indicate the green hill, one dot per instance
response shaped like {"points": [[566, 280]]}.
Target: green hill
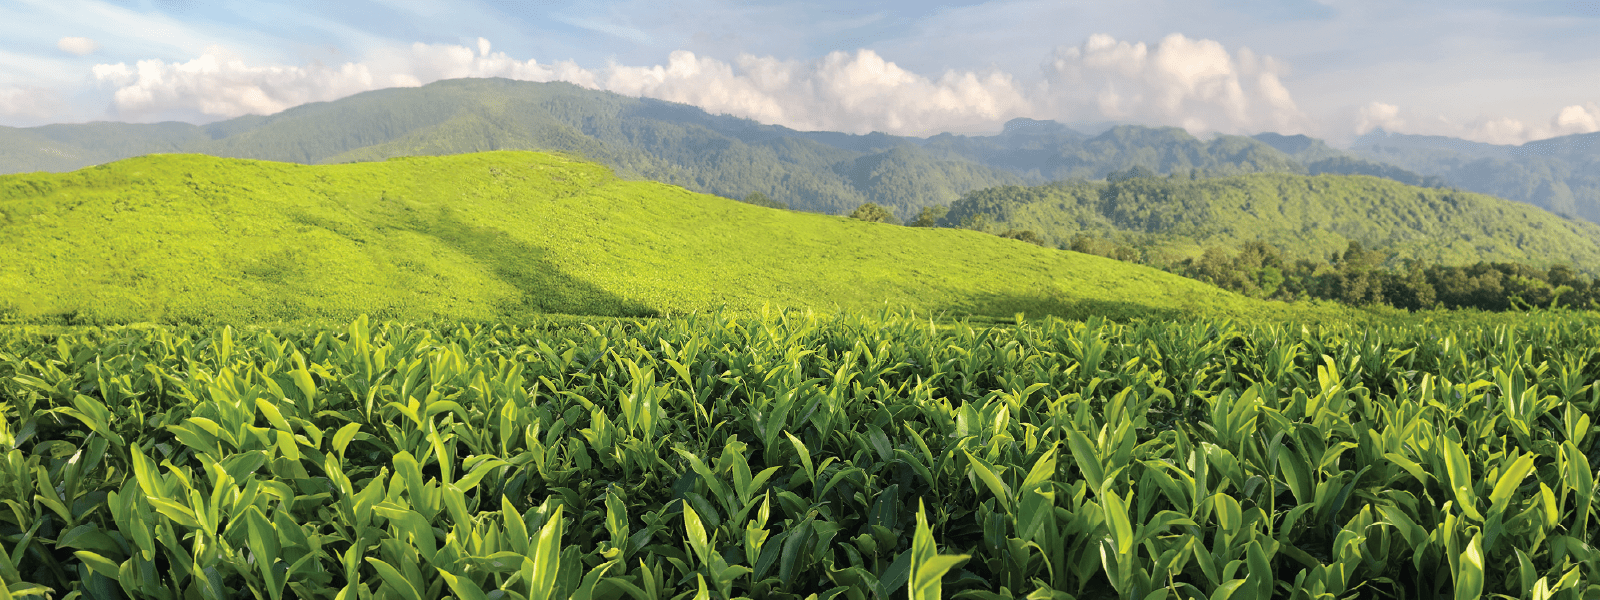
{"points": [[503, 234], [1305, 216]]}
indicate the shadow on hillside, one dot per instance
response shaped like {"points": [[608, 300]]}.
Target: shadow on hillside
{"points": [[1006, 306], [544, 286]]}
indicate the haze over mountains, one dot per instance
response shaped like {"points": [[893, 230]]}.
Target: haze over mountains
{"points": [[1560, 174], [812, 171]]}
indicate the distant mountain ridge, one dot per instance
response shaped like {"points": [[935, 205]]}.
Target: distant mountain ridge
{"points": [[733, 157], [1560, 174]]}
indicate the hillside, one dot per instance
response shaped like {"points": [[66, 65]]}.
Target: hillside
{"points": [[1305, 216], [502, 234], [1560, 174]]}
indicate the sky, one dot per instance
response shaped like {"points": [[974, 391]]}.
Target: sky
{"points": [[1497, 72]]}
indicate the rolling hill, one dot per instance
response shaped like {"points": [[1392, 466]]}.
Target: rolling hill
{"points": [[1305, 216], [501, 234]]}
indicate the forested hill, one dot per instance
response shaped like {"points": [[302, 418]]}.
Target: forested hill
{"points": [[673, 143], [1561, 174], [1171, 218], [1046, 151]]}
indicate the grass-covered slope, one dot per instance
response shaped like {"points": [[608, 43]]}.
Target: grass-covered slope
{"points": [[1306, 216], [189, 237]]}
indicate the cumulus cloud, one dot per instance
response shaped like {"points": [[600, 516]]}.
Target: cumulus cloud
{"points": [[27, 103], [1200, 85], [1378, 115], [219, 84], [77, 45], [1193, 83], [1577, 118], [858, 92]]}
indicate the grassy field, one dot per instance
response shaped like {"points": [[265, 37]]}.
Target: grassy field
{"points": [[190, 238]]}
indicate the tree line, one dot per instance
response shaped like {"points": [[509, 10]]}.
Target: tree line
{"points": [[1359, 277]]}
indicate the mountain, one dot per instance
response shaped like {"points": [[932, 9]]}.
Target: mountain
{"points": [[1319, 158], [1305, 216], [1561, 174], [194, 238], [1045, 151]]}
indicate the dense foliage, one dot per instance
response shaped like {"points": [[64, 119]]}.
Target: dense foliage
{"points": [[1047, 151], [1164, 220], [188, 239], [789, 456], [1358, 277]]}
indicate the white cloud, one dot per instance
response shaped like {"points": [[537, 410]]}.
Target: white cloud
{"points": [[218, 84], [1378, 115], [1577, 119], [1197, 84], [1572, 119], [858, 92], [77, 45], [1193, 83], [27, 103]]}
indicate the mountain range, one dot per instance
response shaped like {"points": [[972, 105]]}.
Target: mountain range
{"points": [[734, 157]]}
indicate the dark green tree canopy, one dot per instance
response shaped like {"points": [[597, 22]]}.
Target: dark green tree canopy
{"points": [[873, 213]]}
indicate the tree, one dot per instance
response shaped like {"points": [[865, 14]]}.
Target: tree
{"points": [[1133, 172], [873, 213], [931, 216]]}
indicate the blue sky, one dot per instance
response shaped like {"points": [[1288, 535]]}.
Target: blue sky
{"points": [[1502, 72]]}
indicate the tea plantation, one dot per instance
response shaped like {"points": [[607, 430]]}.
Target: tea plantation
{"points": [[797, 456]]}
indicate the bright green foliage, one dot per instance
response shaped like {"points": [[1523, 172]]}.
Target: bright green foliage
{"points": [[1170, 218], [185, 238], [793, 456]]}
